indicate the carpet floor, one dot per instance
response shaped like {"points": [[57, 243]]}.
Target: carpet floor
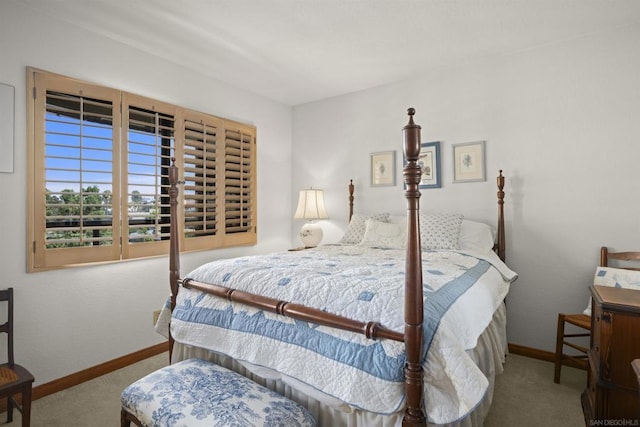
{"points": [[525, 395]]}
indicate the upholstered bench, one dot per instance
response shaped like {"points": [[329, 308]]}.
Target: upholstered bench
{"points": [[198, 393]]}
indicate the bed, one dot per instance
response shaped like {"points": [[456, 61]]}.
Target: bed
{"points": [[401, 322]]}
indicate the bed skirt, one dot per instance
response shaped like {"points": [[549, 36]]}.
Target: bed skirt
{"points": [[489, 355]]}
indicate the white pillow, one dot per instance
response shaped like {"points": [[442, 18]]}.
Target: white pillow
{"points": [[440, 231], [398, 219], [475, 235], [384, 235], [355, 230], [615, 278]]}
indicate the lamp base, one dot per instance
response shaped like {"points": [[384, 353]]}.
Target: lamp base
{"points": [[311, 234]]}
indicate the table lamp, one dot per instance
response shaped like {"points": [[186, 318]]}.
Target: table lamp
{"points": [[311, 207]]}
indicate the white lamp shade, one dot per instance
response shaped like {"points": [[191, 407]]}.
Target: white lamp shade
{"points": [[311, 205]]}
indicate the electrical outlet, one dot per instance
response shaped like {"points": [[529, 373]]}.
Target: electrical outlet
{"points": [[156, 314]]}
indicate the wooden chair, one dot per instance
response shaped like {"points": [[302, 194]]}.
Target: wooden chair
{"points": [[583, 321], [14, 379], [579, 360]]}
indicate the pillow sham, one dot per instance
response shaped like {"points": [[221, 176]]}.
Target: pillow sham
{"points": [[384, 235], [440, 231], [355, 230], [475, 235], [615, 278], [398, 219]]}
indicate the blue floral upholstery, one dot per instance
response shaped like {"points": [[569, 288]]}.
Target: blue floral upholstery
{"points": [[199, 393]]}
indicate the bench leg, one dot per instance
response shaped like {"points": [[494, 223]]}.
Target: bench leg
{"points": [[123, 419], [126, 418]]}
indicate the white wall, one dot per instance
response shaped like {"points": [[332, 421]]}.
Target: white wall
{"points": [[72, 319], [563, 121]]}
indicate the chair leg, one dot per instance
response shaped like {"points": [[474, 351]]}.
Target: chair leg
{"points": [[559, 347], [9, 409], [26, 406]]}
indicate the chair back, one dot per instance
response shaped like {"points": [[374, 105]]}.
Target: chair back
{"points": [[7, 327], [626, 260]]}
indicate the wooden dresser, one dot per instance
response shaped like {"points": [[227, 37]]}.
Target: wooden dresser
{"points": [[612, 386]]}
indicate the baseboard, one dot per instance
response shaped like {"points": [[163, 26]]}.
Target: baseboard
{"points": [[98, 370], [535, 353]]}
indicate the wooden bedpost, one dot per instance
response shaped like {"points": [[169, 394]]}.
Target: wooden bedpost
{"points": [[350, 199], [174, 244], [501, 240], [413, 305]]}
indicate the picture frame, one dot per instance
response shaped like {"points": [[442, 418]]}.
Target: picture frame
{"points": [[429, 161], [469, 162], [383, 169]]}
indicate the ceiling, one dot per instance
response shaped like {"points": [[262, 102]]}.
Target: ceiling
{"points": [[298, 51]]}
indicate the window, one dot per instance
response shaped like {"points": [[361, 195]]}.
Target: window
{"points": [[98, 172]]}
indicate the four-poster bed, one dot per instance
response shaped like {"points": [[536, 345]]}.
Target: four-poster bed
{"points": [[238, 307]]}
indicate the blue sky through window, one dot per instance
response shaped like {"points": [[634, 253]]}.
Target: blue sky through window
{"points": [[79, 153]]}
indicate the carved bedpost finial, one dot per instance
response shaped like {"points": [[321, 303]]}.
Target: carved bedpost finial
{"points": [[500, 183], [173, 172], [501, 244], [411, 143], [411, 146], [411, 112], [351, 189]]}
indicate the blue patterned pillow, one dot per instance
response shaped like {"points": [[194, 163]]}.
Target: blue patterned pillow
{"points": [[357, 227], [440, 231]]}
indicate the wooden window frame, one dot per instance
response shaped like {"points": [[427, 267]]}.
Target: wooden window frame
{"points": [[216, 158]]}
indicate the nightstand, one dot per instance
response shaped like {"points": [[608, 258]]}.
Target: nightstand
{"points": [[301, 248]]}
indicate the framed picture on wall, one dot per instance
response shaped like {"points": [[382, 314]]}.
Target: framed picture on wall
{"points": [[469, 162], [429, 162], [383, 168]]}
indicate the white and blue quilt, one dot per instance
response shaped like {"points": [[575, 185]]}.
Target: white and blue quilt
{"points": [[461, 293]]}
